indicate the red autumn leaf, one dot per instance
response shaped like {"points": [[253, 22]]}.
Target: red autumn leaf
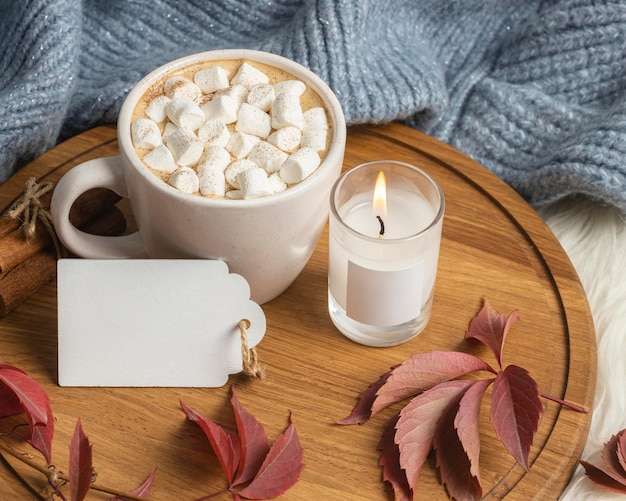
{"points": [[31, 396], [253, 442], [621, 450], [491, 327], [611, 457], [20, 393], [221, 441], [41, 437], [453, 462], [424, 371], [281, 468], [245, 455], [515, 411], [444, 412], [390, 462], [602, 478], [362, 411], [142, 491], [9, 403], [466, 422], [418, 420], [613, 477], [80, 466]]}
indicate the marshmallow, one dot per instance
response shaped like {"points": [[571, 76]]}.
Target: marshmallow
{"points": [[234, 169], [267, 156], [287, 112], [276, 183], [161, 159], [185, 146], [184, 179], [315, 130], [145, 134], [299, 165], [181, 87], [238, 92], [261, 96], [248, 76], [211, 79], [185, 113], [156, 110], [234, 195], [214, 158], [275, 163], [223, 107], [253, 183], [212, 182], [286, 139], [214, 133], [252, 120], [290, 86], [240, 144], [168, 129]]}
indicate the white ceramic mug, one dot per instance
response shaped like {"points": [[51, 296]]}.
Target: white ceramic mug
{"points": [[267, 240]]}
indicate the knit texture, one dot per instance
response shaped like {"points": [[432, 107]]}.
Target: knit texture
{"points": [[533, 90]]}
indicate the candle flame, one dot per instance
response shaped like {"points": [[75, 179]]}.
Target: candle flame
{"points": [[380, 196]]}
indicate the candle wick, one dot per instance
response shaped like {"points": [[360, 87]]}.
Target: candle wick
{"points": [[382, 225]]}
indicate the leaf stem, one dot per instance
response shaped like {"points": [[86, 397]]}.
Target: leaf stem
{"points": [[575, 407], [53, 475]]}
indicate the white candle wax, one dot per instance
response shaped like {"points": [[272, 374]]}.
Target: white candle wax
{"points": [[407, 214]]}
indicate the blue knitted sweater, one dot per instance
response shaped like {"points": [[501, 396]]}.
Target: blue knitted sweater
{"points": [[533, 90]]}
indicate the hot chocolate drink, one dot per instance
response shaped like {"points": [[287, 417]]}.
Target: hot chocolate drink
{"points": [[235, 129]]}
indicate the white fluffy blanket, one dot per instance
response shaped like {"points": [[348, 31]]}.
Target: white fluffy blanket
{"points": [[594, 237]]}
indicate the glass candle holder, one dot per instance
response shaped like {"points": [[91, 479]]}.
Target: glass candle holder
{"points": [[384, 237]]}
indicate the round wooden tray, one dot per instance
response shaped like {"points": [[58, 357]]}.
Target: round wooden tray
{"points": [[494, 245]]}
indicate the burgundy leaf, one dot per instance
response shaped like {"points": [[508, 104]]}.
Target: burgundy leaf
{"points": [[9, 403], [281, 468], [454, 465], [424, 371], [602, 478], [418, 420], [80, 466], [491, 327], [33, 399], [41, 436], [142, 491], [621, 451], [515, 411], [220, 439], [253, 441], [20, 393], [610, 456], [466, 423], [390, 462], [362, 411]]}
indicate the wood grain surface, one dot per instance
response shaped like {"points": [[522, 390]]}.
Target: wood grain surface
{"points": [[494, 245]]}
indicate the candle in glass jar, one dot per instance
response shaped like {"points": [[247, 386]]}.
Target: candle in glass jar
{"points": [[383, 252]]}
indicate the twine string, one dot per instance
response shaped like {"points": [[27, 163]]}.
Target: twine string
{"points": [[251, 365], [29, 209]]}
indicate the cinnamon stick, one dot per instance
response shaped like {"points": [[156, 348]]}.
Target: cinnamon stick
{"points": [[26, 277], [16, 248]]}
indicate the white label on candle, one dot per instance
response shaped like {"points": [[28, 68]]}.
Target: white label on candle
{"points": [[384, 298]]}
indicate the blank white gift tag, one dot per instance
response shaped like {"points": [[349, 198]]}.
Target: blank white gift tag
{"points": [[152, 322]]}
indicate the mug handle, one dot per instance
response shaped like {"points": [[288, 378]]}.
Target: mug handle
{"points": [[103, 172]]}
